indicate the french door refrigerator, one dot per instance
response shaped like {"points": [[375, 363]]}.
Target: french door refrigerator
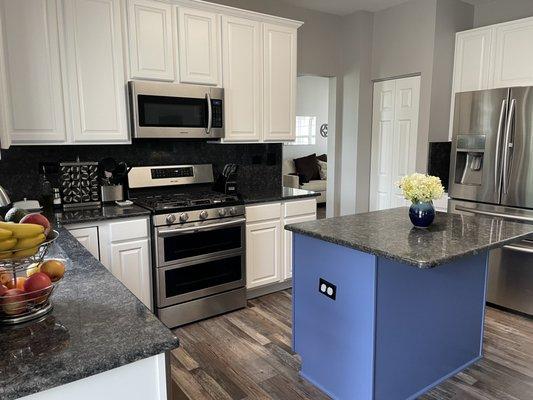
{"points": [[491, 173]]}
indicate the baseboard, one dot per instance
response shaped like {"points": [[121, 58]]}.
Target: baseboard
{"points": [[272, 288]]}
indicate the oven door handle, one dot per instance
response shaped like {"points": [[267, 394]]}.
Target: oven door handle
{"points": [[178, 231]]}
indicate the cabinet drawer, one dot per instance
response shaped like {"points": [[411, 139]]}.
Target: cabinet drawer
{"points": [[127, 230], [263, 212], [300, 207]]}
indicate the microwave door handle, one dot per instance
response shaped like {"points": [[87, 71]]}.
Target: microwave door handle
{"points": [[209, 114], [499, 134], [507, 146]]}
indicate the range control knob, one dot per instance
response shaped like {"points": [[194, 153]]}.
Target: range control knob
{"points": [[171, 218], [184, 217], [203, 215], [232, 210], [222, 212]]}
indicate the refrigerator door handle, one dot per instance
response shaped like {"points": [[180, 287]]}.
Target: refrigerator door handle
{"points": [[494, 214], [501, 128], [507, 146]]}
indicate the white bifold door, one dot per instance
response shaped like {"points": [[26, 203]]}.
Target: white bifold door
{"points": [[394, 137]]}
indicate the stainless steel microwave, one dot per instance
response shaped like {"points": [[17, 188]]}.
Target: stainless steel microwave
{"points": [[170, 110]]}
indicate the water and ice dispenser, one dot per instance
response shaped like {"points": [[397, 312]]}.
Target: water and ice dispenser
{"points": [[469, 159]]}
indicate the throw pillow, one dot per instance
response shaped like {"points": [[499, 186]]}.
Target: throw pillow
{"points": [[323, 170], [323, 157], [307, 167]]}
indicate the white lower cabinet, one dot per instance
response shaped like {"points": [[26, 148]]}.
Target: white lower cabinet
{"points": [[88, 237], [123, 247], [268, 244]]}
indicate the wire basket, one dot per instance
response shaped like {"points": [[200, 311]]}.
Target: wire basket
{"points": [[24, 306]]}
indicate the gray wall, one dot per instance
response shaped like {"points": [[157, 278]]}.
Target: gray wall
{"points": [[452, 16], [356, 52], [403, 44], [502, 11]]}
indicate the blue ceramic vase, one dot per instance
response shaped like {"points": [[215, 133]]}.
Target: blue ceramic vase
{"points": [[422, 214]]}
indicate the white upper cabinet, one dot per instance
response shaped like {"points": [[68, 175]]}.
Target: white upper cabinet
{"points": [[243, 79], [31, 81], [279, 110], [199, 46], [150, 40], [472, 60], [96, 70], [513, 58]]}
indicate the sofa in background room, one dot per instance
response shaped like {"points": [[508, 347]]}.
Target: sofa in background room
{"points": [[308, 173]]}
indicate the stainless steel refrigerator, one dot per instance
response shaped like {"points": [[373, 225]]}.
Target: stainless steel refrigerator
{"points": [[491, 173]]}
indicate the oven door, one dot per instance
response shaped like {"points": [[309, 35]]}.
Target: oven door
{"points": [[180, 244], [167, 110], [199, 278]]}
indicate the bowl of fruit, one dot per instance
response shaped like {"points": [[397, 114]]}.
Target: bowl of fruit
{"points": [[27, 279]]}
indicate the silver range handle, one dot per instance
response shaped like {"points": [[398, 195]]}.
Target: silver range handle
{"points": [[508, 146], [494, 214], [519, 248], [500, 133], [209, 114], [179, 231]]}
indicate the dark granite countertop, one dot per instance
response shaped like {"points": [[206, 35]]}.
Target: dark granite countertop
{"points": [[285, 193], [96, 325], [68, 217], [390, 234]]}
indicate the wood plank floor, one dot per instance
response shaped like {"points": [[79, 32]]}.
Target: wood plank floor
{"points": [[247, 355]]}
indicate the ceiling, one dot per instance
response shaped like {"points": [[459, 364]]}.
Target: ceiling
{"points": [[344, 7]]}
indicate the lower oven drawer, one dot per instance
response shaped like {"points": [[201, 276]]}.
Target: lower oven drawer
{"points": [[200, 277]]}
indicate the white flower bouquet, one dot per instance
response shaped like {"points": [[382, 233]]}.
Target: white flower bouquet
{"points": [[421, 188]]}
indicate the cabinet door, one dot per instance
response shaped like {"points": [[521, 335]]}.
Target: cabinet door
{"points": [[150, 38], [287, 243], [96, 70], [88, 237], [243, 79], [263, 253], [198, 34], [472, 59], [31, 72], [279, 112], [130, 263], [513, 59]]}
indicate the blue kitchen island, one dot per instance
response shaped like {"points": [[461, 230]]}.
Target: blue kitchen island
{"points": [[383, 310]]}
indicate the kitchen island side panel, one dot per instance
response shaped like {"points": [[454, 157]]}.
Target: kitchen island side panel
{"points": [[429, 324], [335, 338]]}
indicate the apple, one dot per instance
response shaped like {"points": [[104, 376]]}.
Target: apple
{"points": [[36, 287], [5, 276], [3, 290], [18, 284], [37, 219], [14, 302], [55, 269]]}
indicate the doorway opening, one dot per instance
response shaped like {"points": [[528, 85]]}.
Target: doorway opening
{"points": [[306, 160]]}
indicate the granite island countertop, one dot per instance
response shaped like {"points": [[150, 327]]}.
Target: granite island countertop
{"points": [[96, 325], [285, 193], [390, 234]]}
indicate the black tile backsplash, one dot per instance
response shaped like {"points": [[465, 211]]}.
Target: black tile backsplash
{"points": [[439, 161], [260, 164]]}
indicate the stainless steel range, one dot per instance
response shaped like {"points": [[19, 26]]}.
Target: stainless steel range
{"points": [[198, 242]]}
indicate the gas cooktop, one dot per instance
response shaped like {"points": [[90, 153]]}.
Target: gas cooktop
{"points": [[184, 201]]}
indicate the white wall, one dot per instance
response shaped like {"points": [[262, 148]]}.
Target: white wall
{"points": [[312, 99], [502, 11]]}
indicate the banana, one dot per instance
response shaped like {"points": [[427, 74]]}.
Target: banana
{"points": [[25, 253], [27, 243], [5, 234], [22, 231], [6, 255], [7, 244]]}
